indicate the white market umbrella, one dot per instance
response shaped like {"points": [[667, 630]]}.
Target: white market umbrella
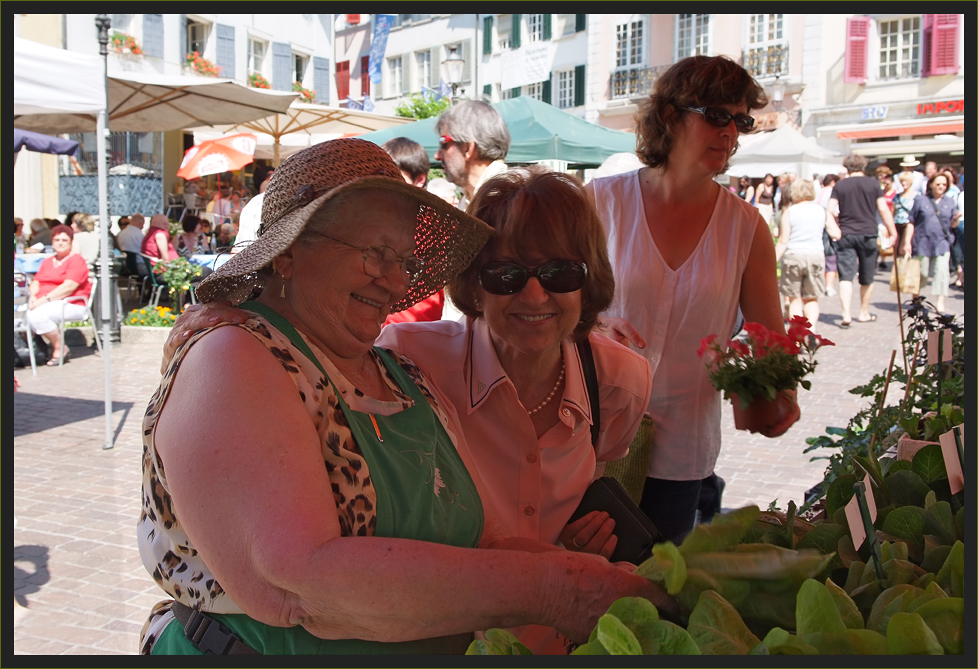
{"points": [[783, 150], [304, 122]]}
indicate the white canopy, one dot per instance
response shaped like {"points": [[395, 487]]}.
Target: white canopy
{"points": [[783, 150], [138, 102]]}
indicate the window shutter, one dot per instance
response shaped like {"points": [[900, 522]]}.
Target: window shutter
{"points": [[365, 75], [517, 20], [487, 90], [487, 35], [467, 57], [942, 33], [548, 28], [281, 66], [153, 35], [580, 22], [320, 78], [545, 93], [343, 80], [435, 76], [516, 91], [225, 50], [183, 37], [579, 85], [857, 50]]}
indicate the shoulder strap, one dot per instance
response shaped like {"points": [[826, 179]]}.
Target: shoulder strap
{"points": [[591, 383]]}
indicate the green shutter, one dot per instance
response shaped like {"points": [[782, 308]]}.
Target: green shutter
{"points": [[487, 35], [580, 23], [487, 90], [546, 90], [547, 26], [579, 85], [516, 91], [517, 19]]}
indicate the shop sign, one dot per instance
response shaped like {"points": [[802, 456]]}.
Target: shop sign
{"points": [[951, 107], [875, 113]]}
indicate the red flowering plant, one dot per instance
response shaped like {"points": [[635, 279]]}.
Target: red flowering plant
{"points": [[201, 65], [122, 42], [307, 95], [764, 363]]}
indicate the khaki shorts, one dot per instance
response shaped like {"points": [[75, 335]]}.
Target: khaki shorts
{"points": [[803, 275]]}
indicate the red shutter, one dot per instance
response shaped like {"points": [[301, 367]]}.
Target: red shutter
{"points": [[353, 19], [857, 50], [942, 33], [343, 80], [365, 75]]}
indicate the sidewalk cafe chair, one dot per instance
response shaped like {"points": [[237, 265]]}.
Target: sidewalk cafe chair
{"points": [[157, 286], [87, 303], [175, 203], [21, 326]]}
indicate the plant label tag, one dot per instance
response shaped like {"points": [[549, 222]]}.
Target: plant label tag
{"points": [[939, 346], [854, 516], [950, 444]]}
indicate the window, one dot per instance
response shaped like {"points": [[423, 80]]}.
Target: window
{"points": [[422, 61], [900, 48], [767, 52], [120, 23], [196, 36], [693, 35], [535, 91], [343, 80], [395, 77], [534, 25], [505, 32], [508, 93], [256, 55], [365, 76], [300, 64], [629, 38], [565, 89]]}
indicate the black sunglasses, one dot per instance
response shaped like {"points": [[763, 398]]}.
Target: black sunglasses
{"points": [[556, 276], [720, 117]]}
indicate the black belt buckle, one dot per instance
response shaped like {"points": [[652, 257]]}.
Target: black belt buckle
{"points": [[208, 635]]}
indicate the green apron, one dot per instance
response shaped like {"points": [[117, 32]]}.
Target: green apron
{"points": [[414, 456]]}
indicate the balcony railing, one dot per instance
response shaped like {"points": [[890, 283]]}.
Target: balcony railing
{"points": [[634, 82], [769, 61]]}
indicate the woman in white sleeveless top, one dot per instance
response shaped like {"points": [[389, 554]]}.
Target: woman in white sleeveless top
{"points": [[686, 252], [802, 252]]}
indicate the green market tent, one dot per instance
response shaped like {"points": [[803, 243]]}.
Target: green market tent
{"points": [[539, 131]]}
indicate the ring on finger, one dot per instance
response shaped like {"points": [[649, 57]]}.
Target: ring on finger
{"points": [[577, 545]]}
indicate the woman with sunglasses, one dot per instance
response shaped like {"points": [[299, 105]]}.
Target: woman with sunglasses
{"points": [[510, 371], [686, 253]]}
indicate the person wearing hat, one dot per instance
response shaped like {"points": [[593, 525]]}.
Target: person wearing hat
{"points": [[318, 503], [908, 164]]}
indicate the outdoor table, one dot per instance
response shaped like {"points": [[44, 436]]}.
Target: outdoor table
{"points": [[29, 263], [210, 260]]}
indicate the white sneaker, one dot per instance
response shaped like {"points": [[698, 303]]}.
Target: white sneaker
{"points": [[830, 292]]}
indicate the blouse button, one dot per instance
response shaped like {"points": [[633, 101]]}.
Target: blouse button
{"points": [[531, 457], [565, 411], [529, 510]]}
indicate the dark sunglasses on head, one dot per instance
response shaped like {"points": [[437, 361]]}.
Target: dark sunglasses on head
{"points": [[556, 276], [720, 117]]}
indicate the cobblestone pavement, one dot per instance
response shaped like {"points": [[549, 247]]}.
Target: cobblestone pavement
{"points": [[79, 584]]}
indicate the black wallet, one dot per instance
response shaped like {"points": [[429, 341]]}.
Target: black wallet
{"points": [[636, 533]]}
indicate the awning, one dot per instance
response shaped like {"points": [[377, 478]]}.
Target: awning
{"points": [[899, 130]]}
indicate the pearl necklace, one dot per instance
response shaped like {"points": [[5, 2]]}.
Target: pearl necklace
{"points": [[554, 391]]}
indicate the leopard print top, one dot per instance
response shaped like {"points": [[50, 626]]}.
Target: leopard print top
{"points": [[166, 550]]}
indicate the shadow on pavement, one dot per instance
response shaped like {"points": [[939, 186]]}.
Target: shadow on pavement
{"points": [[36, 413], [29, 582]]}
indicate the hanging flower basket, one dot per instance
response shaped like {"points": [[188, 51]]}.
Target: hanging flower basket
{"points": [[255, 80], [305, 94], [201, 65], [123, 43]]}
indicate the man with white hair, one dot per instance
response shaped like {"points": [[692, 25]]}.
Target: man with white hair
{"points": [[473, 140]]}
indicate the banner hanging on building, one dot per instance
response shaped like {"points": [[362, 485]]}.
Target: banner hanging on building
{"points": [[378, 44], [527, 65]]}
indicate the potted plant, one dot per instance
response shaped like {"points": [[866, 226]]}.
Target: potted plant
{"points": [[305, 94], [921, 430], [201, 65], [176, 273], [255, 80], [124, 43], [147, 326], [752, 372]]}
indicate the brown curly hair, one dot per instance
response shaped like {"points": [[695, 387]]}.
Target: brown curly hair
{"points": [[697, 81], [537, 212]]}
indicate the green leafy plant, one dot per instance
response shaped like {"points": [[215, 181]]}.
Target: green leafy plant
{"points": [[255, 80], [176, 273], [416, 106], [764, 363], [201, 65], [157, 317], [931, 425]]}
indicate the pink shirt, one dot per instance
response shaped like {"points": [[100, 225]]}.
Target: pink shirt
{"points": [[529, 486], [53, 273], [151, 248]]}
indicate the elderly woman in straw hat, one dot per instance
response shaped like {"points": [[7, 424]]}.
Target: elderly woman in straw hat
{"points": [[328, 511]]}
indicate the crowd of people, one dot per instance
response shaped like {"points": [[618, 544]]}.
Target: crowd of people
{"points": [[421, 378]]}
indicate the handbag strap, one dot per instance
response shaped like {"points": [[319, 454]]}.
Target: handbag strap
{"points": [[937, 212], [591, 383]]}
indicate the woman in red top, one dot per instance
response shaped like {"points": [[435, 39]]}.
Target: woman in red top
{"points": [[63, 275], [157, 242]]}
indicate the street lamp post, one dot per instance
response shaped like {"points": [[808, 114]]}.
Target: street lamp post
{"points": [[777, 93], [452, 66], [105, 284]]}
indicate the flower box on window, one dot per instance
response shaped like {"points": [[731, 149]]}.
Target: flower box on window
{"points": [[255, 80], [305, 94], [126, 44], [201, 65]]}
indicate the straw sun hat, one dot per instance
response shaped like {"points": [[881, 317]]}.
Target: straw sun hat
{"points": [[446, 239], [909, 161]]}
